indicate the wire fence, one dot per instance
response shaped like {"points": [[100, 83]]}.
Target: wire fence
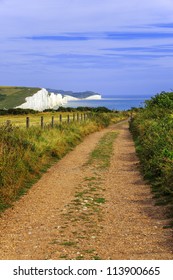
{"points": [[44, 121]]}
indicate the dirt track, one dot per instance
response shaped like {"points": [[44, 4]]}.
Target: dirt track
{"points": [[50, 223]]}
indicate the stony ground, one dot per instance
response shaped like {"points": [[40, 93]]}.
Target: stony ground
{"points": [[80, 211]]}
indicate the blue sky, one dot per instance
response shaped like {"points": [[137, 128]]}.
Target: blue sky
{"points": [[111, 47]]}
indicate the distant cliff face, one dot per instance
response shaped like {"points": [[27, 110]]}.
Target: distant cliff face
{"points": [[43, 99], [79, 95], [94, 97]]}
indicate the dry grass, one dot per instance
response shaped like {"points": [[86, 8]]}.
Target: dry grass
{"points": [[35, 119], [26, 153]]}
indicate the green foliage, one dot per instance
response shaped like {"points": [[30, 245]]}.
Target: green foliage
{"points": [[163, 100], [17, 111], [103, 119], [152, 129], [80, 109]]}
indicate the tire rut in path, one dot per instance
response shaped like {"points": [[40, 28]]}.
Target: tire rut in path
{"points": [[130, 226]]}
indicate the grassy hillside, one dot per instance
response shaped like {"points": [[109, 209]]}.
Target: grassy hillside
{"points": [[14, 96]]}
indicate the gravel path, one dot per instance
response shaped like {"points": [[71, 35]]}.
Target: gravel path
{"points": [[42, 224]]}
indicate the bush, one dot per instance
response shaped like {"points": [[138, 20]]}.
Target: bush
{"points": [[152, 129]]}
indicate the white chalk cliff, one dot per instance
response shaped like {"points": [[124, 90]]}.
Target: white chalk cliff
{"points": [[43, 99], [94, 97]]}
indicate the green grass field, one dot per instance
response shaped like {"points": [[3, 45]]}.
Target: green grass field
{"points": [[11, 97]]}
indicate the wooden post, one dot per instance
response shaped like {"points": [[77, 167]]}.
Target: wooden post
{"points": [[52, 122], [42, 122], [68, 118], [27, 122], [60, 118], [84, 116], [73, 117], [81, 117], [77, 116]]}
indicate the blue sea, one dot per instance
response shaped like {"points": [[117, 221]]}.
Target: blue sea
{"points": [[111, 102]]}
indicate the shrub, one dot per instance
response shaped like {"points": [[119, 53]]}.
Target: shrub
{"points": [[152, 129]]}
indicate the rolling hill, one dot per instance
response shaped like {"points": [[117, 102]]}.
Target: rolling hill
{"points": [[11, 97]]}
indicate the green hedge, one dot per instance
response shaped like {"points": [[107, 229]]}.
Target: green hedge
{"points": [[152, 129]]}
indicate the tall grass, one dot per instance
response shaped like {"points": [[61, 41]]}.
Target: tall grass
{"points": [[26, 153]]}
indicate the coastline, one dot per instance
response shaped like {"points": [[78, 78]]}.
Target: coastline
{"points": [[112, 103]]}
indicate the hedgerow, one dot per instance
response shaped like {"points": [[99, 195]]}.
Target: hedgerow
{"points": [[152, 129]]}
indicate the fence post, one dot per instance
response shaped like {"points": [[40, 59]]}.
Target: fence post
{"points": [[77, 116], [81, 117], [73, 117], [27, 122], [68, 118], [84, 116], [52, 122], [42, 122], [60, 118]]}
